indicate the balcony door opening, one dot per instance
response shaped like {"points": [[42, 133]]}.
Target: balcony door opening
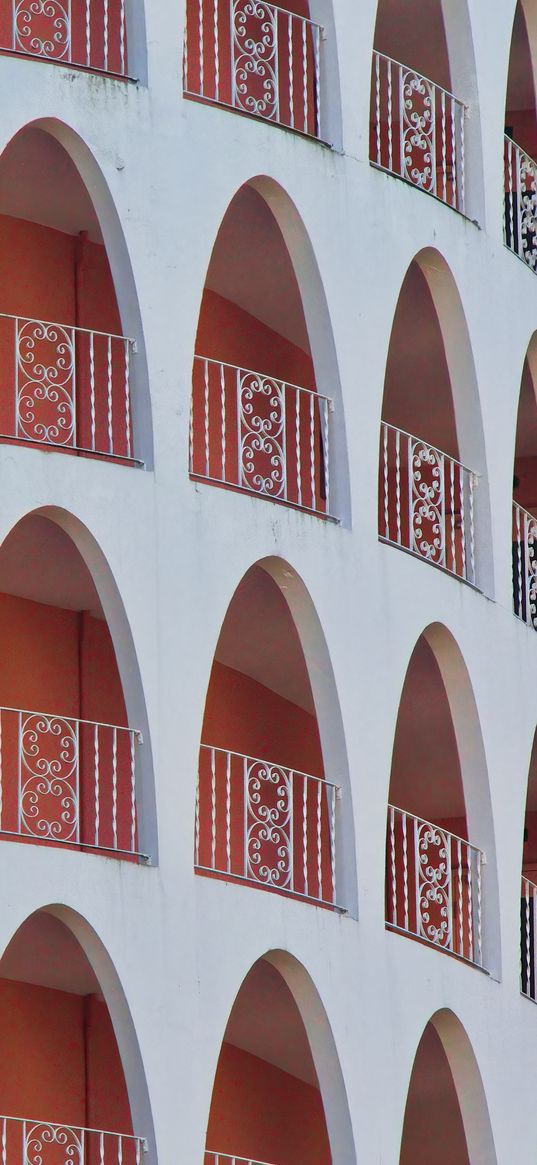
{"points": [[70, 763]]}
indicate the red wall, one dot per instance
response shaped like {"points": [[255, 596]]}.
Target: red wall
{"points": [[262, 1113], [228, 333]]}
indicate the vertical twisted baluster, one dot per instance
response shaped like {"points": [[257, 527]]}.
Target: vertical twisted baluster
{"points": [[88, 33], [101, 1148], [532, 943], [443, 524], [228, 811], [122, 37], [73, 333], [386, 480], [461, 898], [519, 561], [138, 1151], [246, 811], [92, 388], [470, 854], [201, 4], [393, 865], [298, 396], [119, 1150], [127, 398], [444, 146], [312, 452], [19, 767], [105, 35], [390, 114], [453, 153], [462, 180], [291, 71], [511, 195], [206, 399], [4, 1140], [197, 816], [479, 910], [377, 107], [525, 940], [133, 791], [318, 79], [334, 793], [527, 568], [305, 73], [463, 523], [110, 403], [405, 871], [213, 809], [77, 777], [452, 509], [96, 782], [114, 785], [305, 833], [326, 452], [471, 482], [223, 418], [319, 848], [216, 52], [519, 191], [398, 483]]}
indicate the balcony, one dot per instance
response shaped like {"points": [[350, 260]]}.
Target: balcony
{"points": [[270, 826], [528, 918], [426, 503], [525, 566], [417, 131], [520, 227], [258, 434], [433, 886], [87, 34], [45, 1143], [259, 59]]}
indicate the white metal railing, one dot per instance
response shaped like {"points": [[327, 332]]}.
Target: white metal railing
{"points": [[90, 34], [524, 565], [528, 931], [66, 386], [426, 502], [212, 1158], [433, 885], [68, 781], [35, 1142], [260, 434], [418, 131], [255, 57], [520, 210], [264, 823]]}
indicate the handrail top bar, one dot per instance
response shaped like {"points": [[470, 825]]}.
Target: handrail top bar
{"points": [[234, 1157], [528, 881], [258, 760], [74, 719], [423, 76], [434, 825], [303, 20], [6, 315], [520, 149], [265, 375], [524, 511], [27, 1120], [423, 441]]}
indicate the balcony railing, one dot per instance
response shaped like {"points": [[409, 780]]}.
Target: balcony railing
{"points": [[433, 885], [417, 131], [88, 34], [524, 565], [32, 1142], [259, 434], [211, 1158], [528, 932], [70, 782], [65, 387], [520, 211], [262, 823], [426, 503], [257, 58]]}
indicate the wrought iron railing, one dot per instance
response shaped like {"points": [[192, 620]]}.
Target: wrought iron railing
{"points": [[528, 932], [257, 58], [433, 885], [68, 781], [520, 203], [66, 386], [35, 1142], [524, 565], [88, 34], [212, 1158], [426, 502], [417, 131], [266, 824], [259, 434]]}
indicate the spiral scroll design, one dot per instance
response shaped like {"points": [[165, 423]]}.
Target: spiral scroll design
{"points": [[417, 131], [262, 436], [42, 28], [427, 502], [531, 569], [45, 383], [434, 883], [269, 805], [255, 40], [48, 789], [528, 210], [52, 1145]]}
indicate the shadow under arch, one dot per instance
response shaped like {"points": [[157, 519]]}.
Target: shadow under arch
{"points": [[445, 1058], [270, 221], [126, 656], [105, 973], [306, 1020], [117, 252], [468, 770]]}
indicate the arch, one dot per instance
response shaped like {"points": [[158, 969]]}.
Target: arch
{"points": [[73, 674], [439, 778], [297, 1059], [58, 213], [272, 719], [446, 1090], [524, 526], [55, 966], [264, 319], [520, 140], [430, 346]]}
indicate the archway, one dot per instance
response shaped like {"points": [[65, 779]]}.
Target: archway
{"points": [[278, 1094], [441, 885], [446, 1116], [520, 143], [73, 379], [265, 373], [524, 530], [432, 456], [267, 809]]}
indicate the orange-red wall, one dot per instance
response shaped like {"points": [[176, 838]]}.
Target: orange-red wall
{"points": [[262, 1113], [228, 333]]}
